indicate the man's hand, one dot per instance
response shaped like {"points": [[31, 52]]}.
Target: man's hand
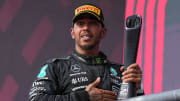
{"points": [[132, 74], [96, 94]]}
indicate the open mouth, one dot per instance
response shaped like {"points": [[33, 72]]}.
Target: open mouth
{"points": [[86, 37]]}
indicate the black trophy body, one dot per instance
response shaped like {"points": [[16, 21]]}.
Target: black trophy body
{"points": [[132, 33]]}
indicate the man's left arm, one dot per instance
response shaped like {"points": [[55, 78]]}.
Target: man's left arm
{"points": [[133, 74]]}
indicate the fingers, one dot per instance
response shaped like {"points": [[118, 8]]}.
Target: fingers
{"points": [[96, 94], [132, 78], [94, 84], [106, 95], [107, 92], [130, 75], [133, 74], [122, 68], [133, 68]]}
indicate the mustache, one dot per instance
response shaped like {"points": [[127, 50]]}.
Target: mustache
{"points": [[86, 33]]}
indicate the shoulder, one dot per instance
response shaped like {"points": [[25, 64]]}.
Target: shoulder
{"points": [[54, 65], [58, 59], [58, 63]]}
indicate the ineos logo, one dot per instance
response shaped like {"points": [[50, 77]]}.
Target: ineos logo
{"points": [[75, 68]]}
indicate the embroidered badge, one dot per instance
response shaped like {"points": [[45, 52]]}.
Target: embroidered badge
{"points": [[43, 71], [98, 60], [113, 71], [75, 68]]}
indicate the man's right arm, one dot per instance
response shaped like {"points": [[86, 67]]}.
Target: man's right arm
{"points": [[96, 94], [46, 88]]}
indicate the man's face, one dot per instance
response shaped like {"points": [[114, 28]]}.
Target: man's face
{"points": [[87, 33]]}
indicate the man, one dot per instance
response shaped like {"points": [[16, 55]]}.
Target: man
{"points": [[86, 74]]}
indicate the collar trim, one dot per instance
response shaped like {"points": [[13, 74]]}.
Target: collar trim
{"points": [[95, 60]]}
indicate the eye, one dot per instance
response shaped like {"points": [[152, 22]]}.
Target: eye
{"points": [[80, 23], [93, 23]]}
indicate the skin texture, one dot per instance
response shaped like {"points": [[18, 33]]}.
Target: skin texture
{"points": [[88, 34], [132, 74], [100, 94], [91, 28]]}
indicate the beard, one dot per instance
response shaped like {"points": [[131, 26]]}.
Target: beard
{"points": [[87, 47], [90, 46]]}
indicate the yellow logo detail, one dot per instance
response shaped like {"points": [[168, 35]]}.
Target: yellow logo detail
{"points": [[87, 8]]}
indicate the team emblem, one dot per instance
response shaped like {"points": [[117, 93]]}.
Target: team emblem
{"points": [[113, 71], [75, 68], [43, 71]]}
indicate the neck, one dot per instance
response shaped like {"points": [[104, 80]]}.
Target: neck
{"points": [[91, 52]]}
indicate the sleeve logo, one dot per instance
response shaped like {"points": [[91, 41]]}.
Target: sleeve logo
{"points": [[113, 71], [42, 72]]}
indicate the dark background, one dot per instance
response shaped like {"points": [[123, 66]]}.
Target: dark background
{"points": [[32, 31]]}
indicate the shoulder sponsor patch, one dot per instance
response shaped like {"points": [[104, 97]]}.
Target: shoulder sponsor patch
{"points": [[113, 71], [42, 72]]}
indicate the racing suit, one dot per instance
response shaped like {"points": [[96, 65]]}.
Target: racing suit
{"points": [[65, 79]]}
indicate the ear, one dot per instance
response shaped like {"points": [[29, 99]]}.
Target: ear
{"points": [[72, 33], [103, 33]]}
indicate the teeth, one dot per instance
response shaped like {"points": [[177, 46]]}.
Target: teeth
{"points": [[86, 37]]}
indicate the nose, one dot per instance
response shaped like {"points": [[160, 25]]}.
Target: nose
{"points": [[86, 27]]}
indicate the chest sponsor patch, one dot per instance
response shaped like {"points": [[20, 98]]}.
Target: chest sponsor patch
{"points": [[79, 80], [80, 73], [79, 87]]}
